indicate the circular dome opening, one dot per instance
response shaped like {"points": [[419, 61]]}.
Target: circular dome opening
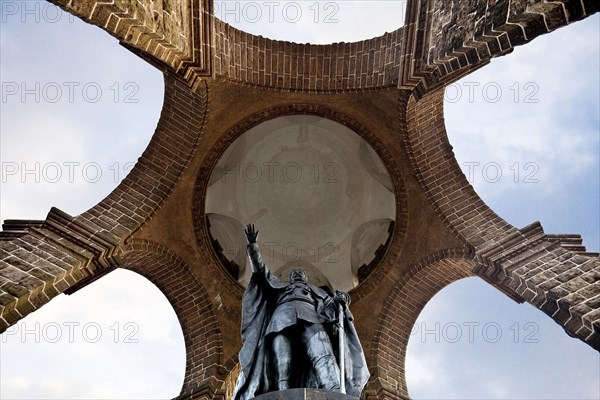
{"points": [[319, 194], [316, 22]]}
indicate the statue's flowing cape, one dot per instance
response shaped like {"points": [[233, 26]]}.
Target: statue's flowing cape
{"points": [[256, 312]]}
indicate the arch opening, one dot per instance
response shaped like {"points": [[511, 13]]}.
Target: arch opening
{"points": [[318, 22], [56, 137], [471, 341], [120, 334], [529, 146]]}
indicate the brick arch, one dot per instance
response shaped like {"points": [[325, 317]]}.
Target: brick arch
{"points": [[158, 169], [444, 41], [189, 298], [175, 36], [405, 302], [339, 67], [41, 259], [528, 265], [440, 176], [186, 39], [398, 236]]}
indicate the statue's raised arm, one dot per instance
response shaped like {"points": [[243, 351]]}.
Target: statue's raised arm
{"points": [[256, 261]]}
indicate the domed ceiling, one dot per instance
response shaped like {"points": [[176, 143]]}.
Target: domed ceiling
{"points": [[318, 193]]}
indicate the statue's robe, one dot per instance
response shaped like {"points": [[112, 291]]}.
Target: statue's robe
{"points": [[258, 307]]}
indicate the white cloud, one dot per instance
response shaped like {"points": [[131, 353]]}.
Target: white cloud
{"points": [[538, 105], [79, 123], [421, 371], [316, 22], [124, 346], [485, 346]]}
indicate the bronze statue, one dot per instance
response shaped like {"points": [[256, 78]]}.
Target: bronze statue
{"points": [[287, 332]]}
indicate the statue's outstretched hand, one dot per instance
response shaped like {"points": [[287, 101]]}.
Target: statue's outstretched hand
{"points": [[251, 233]]}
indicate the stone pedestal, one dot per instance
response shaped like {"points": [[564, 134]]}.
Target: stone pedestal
{"points": [[304, 394]]}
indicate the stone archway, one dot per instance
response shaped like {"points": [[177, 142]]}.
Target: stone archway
{"points": [[405, 303], [189, 299]]}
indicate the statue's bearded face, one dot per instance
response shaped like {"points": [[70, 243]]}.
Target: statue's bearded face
{"points": [[298, 275]]}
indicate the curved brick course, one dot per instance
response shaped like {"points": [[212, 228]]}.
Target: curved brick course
{"points": [[65, 252], [255, 60], [194, 310], [404, 304], [524, 263]]}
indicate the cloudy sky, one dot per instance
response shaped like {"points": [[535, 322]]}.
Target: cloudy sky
{"points": [[77, 110]]}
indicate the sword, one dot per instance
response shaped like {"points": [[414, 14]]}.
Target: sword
{"points": [[342, 348]]}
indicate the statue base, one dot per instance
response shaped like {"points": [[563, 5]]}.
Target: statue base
{"points": [[304, 394]]}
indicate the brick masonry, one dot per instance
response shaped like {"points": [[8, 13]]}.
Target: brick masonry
{"points": [[444, 41], [256, 60], [174, 143], [390, 91], [195, 311], [405, 302], [48, 260], [65, 251], [440, 42], [373, 115], [526, 263], [174, 34]]}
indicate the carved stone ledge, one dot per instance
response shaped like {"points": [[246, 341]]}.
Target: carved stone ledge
{"points": [[515, 248], [99, 250]]}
